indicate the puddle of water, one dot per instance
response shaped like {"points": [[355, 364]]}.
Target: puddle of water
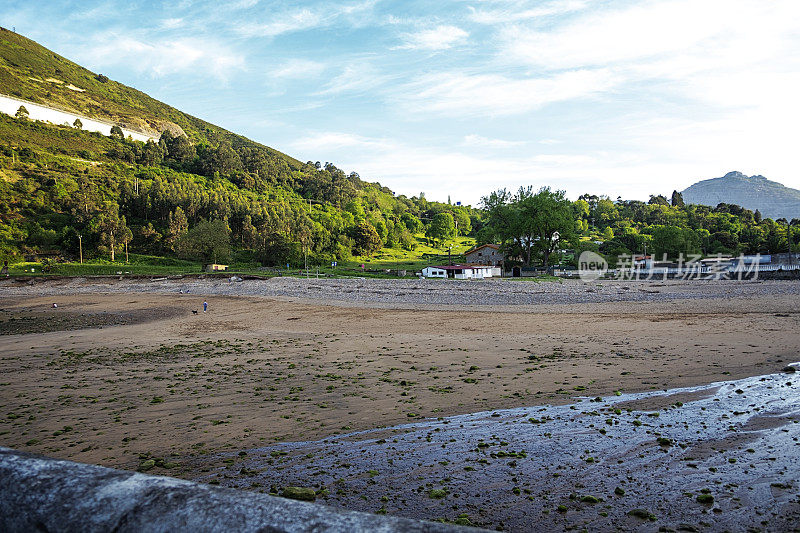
{"points": [[721, 456]]}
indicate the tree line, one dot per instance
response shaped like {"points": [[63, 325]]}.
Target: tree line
{"points": [[172, 196], [533, 226]]}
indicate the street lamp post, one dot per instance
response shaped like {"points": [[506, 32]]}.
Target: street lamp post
{"points": [[80, 247]]}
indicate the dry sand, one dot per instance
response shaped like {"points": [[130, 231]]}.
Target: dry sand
{"points": [[111, 375]]}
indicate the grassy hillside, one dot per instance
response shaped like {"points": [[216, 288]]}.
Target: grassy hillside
{"points": [[32, 72], [210, 197]]}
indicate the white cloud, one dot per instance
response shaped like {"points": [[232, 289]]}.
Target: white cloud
{"points": [[464, 175], [517, 13], [479, 141], [355, 78], [299, 20], [171, 23], [456, 93], [243, 4], [707, 31], [324, 141], [164, 58], [439, 38], [298, 69], [302, 19]]}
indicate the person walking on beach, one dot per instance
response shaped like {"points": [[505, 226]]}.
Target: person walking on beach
{"points": [[205, 306]]}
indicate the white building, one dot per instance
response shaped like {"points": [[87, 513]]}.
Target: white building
{"points": [[458, 271]]}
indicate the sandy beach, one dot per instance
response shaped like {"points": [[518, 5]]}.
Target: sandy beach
{"points": [[115, 372]]}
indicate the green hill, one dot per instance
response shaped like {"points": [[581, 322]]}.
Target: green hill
{"points": [[32, 72], [200, 193]]}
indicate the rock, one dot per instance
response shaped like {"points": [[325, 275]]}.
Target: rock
{"points": [[146, 465], [706, 499], [306, 494], [643, 514], [790, 369]]}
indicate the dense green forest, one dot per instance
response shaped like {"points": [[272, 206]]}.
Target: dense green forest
{"points": [[203, 202], [204, 194], [199, 202], [536, 225]]}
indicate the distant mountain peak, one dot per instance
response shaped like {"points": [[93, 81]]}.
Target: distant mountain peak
{"points": [[773, 199], [735, 174]]}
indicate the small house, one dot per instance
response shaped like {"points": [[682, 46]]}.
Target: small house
{"points": [[215, 268], [466, 271], [434, 272], [487, 254]]}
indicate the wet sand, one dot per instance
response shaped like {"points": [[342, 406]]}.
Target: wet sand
{"points": [[157, 381], [719, 457]]}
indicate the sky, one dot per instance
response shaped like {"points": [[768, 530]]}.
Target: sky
{"points": [[457, 98]]}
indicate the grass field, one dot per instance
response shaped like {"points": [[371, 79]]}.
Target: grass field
{"points": [[385, 263]]}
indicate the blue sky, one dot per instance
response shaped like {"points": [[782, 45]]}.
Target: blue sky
{"points": [[457, 98]]}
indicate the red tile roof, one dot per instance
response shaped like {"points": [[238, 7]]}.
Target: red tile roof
{"points": [[493, 246]]}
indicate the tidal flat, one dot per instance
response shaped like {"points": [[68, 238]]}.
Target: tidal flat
{"points": [[724, 456], [269, 392]]}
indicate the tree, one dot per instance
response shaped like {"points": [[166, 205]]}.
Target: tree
{"points": [[462, 221], [110, 227], [553, 221], [441, 228], [366, 239], [22, 112], [249, 234], [677, 199], [77, 124], [500, 218], [151, 155], [674, 241], [757, 217], [222, 159], [177, 226], [117, 132], [208, 241]]}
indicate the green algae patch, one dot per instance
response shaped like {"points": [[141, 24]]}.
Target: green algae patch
{"points": [[306, 494]]}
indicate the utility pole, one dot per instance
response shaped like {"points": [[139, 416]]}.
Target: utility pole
{"points": [[126, 252], [80, 247], [449, 256], [644, 259]]}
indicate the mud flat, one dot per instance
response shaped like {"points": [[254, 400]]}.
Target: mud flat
{"points": [[725, 456]]}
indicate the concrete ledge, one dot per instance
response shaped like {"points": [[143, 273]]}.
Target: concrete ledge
{"points": [[42, 494]]}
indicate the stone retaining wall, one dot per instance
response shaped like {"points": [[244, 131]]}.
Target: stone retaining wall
{"points": [[43, 494]]}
